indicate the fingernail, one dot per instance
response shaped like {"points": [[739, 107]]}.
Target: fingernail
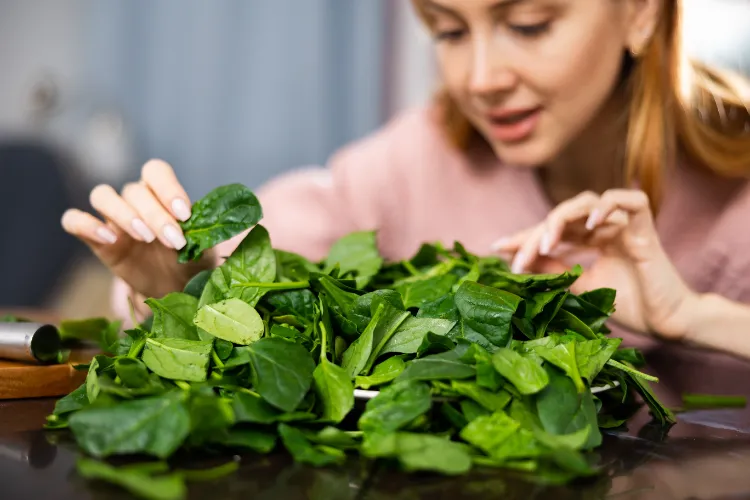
{"points": [[500, 244], [544, 246], [180, 209], [518, 263], [142, 229], [593, 220], [174, 236], [106, 235]]}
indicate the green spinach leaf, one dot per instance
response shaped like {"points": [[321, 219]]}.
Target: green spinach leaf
{"points": [[565, 320], [493, 401], [132, 372], [210, 416], [412, 332], [434, 344], [383, 373], [362, 308], [356, 253], [173, 316], [306, 452], [138, 482], [232, 320], [178, 359], [442, 308], [564, 411], [395, 407], [198, 283], [562, 354], [419, 452], [155, 426], [282, 372], [421, 292], [486, 312], [332, 384], [592, 355], [223, 213], [444, 366], [526, 375], [488, 432], [298, 303], [252, 268], [253, 439], [293, 267], [76, 400]]}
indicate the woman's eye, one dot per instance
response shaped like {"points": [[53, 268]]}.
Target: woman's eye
{"points": [[450, 35], [530, 30]]}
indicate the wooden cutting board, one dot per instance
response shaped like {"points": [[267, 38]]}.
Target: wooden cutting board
{"points": [[20, 380], [27, 380]]}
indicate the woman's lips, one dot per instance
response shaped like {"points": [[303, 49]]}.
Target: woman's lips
{"points": [[513, 125]]}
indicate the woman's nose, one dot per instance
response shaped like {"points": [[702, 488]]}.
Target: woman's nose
{"points": [[490, 73]]}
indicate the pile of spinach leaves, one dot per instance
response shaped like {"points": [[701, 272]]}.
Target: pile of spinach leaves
{"points": [[476, 366]]}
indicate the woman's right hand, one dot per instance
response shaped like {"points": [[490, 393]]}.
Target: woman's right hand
{"points": [[139, 235]]}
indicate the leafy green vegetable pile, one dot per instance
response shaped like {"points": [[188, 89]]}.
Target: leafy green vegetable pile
{"points": [[475, 366]]}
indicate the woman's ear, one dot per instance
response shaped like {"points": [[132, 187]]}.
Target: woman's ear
{"points": [[643, 16]]}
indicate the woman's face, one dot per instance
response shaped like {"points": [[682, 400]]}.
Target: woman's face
{"points": [[530, 75]]}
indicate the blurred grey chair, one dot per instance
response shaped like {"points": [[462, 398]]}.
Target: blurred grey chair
{"points": [[37, 184]]}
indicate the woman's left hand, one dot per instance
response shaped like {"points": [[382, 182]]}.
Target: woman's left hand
{"points": [[652, 298]]}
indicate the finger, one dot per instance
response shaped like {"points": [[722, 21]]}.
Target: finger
{"points": [[553, 231], [111, 206], [562, 217], [511, 244], [154, 214], [160, 178], [603, 235], [528, 252], [87, 228], [576, 205], [636, 203], [549, 266]]}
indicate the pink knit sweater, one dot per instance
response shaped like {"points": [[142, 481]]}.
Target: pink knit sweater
{"points": [[408, 183]]}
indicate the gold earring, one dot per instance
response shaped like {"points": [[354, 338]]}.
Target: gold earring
{"points": [[635, 52]]}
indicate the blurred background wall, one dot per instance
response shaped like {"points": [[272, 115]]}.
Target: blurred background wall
{"points": [[227, 91]]}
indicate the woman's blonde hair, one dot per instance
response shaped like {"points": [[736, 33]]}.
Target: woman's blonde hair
{"points": [[676, 105]]}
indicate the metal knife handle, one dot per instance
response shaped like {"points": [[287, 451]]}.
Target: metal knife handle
{"points": [[37, 342]]}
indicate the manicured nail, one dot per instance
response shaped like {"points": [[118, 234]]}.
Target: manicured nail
{"points": [[518, 263], [106, 235], [180, 209], [544, 246], [593, 220], [174, 236], [500, 244], [142, 229]]}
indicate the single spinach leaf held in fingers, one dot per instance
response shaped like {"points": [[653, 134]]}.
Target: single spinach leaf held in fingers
{"points": [[223, 213]]}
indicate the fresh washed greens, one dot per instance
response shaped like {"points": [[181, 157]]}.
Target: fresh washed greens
{"points": [[476, 366]]}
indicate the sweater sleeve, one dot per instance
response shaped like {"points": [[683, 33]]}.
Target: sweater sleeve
{"points": [[726, 263], [308, 209]]}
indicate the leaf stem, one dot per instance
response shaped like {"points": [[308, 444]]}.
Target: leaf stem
{"points": [[248, 391], [632, 371], [217, 360], [323, 342], [182, 385], [208, 474], [136, 348], [286, 285], [410, 267]]}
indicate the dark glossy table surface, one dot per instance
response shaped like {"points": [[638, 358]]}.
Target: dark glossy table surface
{"points": [[706, 455]]}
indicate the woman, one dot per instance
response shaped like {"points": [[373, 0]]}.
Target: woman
{"points": [[553, 113]]}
